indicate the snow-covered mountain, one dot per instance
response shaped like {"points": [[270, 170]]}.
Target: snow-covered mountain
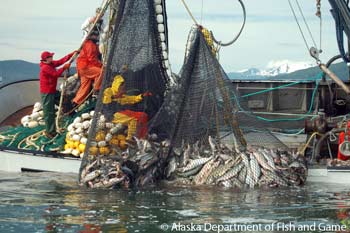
{"points": [[286, 70], [284, 67], [275, 68]]}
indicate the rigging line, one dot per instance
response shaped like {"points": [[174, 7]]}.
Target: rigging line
{"points": [[202, 12], [319, 14], [296, 20], [321, 33], [189, 12], [305, 22]]}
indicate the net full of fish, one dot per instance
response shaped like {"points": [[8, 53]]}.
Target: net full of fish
{"points": [[140, 165], [209, 164], [220, 165]]}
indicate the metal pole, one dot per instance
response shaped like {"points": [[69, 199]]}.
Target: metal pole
{"points": [[334, 77]]}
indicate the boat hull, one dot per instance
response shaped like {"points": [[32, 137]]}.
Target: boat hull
{"points": [[19, 162]]}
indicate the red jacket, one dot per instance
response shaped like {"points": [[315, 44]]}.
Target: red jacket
{"points": [[88, 56], [49, 74]]}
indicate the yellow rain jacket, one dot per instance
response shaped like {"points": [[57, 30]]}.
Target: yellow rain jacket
{"points": [[134, 120], [110, 92]]}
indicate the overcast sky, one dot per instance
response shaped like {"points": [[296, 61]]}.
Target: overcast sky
{"points": [[271, 34]]}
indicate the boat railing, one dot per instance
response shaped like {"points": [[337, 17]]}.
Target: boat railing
{"points": [[18, 95]]}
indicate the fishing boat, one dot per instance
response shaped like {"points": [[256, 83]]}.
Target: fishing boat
{"points": [[18, 96], [19, 160]]}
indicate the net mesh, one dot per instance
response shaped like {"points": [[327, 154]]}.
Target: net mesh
{"points": [[34, 140], [133, 84], [204, 103]]}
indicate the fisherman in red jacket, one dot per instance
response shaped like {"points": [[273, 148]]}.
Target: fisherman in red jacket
{"points": [[48, 83], [89, 69]]}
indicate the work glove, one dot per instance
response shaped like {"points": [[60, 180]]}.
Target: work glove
{"points": [[66, 66]]}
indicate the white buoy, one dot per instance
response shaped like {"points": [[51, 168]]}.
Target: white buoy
{"points": [[86, 124], [38, 105], [157, 2], [70, 127], [85, 116], [33, 124], [77, 120], [25, 119], [162, 37], [166, 64], [101, 48], [84, 140], [93, 143], [163, 46], [76, 137], [165, 55], [159, 9], [78, 125], [79, 130], [35, 110], [161, 28], [108, 137], [101, 143], [160, 19]]}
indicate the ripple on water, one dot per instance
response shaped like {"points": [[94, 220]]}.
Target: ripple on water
{"points": [[230, 220], [42, 201], [187, 213]]}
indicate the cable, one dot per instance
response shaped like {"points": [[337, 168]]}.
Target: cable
{"points": [[279, 87], [240, 31], [283, 119], [302, 151], [296, 20], [306, 24], [189, 12], [321, 25]]}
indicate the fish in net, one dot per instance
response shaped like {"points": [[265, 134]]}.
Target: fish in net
{"points": [[200, 132], [133, 87]]}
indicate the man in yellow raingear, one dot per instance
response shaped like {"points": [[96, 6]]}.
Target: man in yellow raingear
{"points": [[136, 121]]}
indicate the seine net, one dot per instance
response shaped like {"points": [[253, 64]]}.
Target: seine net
{"points": [[133, 84], [205, 104]]}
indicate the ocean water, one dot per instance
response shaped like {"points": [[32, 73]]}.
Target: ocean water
{"points": [[50, 202]]}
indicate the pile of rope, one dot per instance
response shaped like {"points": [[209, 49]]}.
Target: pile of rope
{"points": [[34, 139]]}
